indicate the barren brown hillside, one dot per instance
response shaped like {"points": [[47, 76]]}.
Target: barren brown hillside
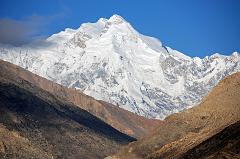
{"points": [[122, 120], [209, 130], [36, 124]]}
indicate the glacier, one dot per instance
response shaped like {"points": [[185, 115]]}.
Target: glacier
{"points": [[111, 61]]}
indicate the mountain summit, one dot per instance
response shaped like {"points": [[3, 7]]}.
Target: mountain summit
{"points": [[111, 61]]}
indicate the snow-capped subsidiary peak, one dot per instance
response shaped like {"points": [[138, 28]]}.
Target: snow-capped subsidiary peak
{"points": [[111, 61], [236, 55]]}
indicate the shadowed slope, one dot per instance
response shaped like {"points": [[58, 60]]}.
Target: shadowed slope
{"points": [[118, 118], [36, 124], [199, 132]]}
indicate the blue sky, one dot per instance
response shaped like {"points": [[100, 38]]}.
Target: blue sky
{"points": [[194, 27]]}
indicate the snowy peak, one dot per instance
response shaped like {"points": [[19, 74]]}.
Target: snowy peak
{"points": [[115, 31], [103, 24], [106, 29], [116, 19]]}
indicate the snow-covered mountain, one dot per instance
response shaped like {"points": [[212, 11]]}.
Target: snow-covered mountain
{"points": [[111, 61]]}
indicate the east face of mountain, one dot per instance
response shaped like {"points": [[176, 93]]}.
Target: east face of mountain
{"points": [[111, 61]]}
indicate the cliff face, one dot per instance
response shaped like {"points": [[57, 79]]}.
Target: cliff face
{"points": [[122, 120], [210, 129], [35, 123]]}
